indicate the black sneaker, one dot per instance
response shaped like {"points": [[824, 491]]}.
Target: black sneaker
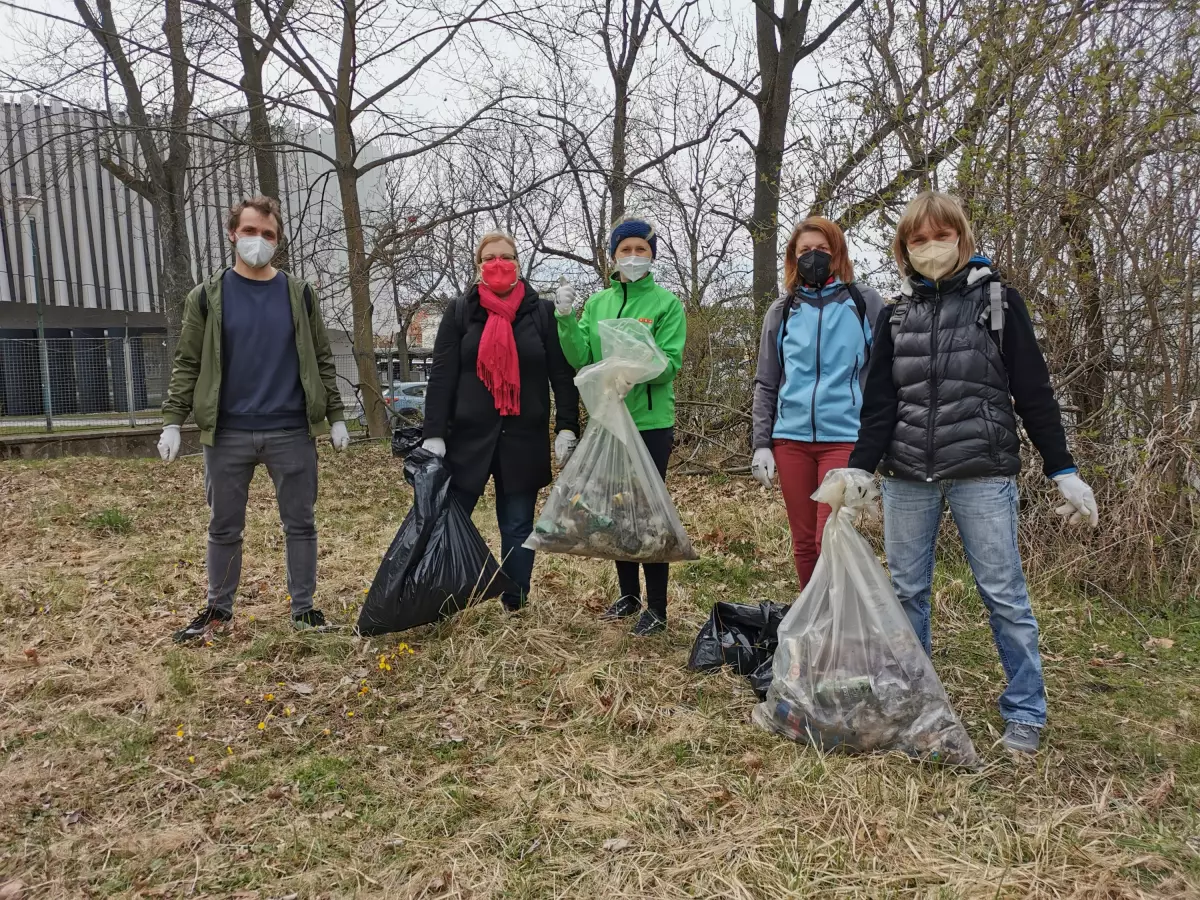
{"points": [[209, 622], [512, 604], [624, 608], [650, 623], [314, 618]]}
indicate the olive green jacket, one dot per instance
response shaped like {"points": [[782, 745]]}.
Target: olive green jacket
{"points": [[196, 374]]}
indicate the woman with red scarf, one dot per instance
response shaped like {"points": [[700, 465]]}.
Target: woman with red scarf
{"points": [[487, 408]]}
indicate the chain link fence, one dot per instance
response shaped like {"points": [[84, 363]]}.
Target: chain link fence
{"points": [[78, 383]]}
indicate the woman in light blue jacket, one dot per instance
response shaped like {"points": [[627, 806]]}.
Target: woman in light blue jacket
{"points": [[812, 360]]}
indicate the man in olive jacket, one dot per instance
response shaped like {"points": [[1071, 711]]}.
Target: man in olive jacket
{"points": [[254, 367]]}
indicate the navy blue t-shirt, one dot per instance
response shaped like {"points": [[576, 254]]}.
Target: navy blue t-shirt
{"points": [[260, 368]]}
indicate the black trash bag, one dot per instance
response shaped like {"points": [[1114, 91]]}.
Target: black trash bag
{"points": [[406, 439], [438, 562], [740, 636]]}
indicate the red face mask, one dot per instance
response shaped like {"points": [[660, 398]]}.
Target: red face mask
{"points": [[500, 275]]}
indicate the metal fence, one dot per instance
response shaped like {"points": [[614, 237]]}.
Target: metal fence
{"points": [[76, 383]]}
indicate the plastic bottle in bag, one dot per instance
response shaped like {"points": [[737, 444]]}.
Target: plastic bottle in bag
{"points": [[849, 671], [609, 501]]}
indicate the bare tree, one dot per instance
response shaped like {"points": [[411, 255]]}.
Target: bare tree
{"points": [[615, 140], [783, 40], [155, 84], [352, 58]]}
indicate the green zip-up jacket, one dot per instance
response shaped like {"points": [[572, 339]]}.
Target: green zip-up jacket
{"points": [[652, 405], [196, 374]]}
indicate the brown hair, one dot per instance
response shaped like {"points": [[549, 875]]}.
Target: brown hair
{"points": [[839, 265], [267, 206], [940, 209], [496, 235]]}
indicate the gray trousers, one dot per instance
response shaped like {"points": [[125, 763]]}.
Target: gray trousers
{"points": [[291, 461]]}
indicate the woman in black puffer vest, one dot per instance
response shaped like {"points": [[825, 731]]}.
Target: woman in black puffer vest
{"points": [[955, 362]]}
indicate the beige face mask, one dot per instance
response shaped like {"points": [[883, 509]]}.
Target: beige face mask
{"points": [[934, 259]]}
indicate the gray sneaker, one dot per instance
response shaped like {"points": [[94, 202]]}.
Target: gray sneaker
{"points": [[1022, 738]]}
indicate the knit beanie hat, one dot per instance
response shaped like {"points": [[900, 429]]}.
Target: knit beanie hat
{"points": [[632, 228]]}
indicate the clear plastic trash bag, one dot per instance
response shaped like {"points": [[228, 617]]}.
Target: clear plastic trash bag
{"points": [[609, 501], [849, 671]]}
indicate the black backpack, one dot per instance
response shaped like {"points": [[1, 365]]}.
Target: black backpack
{"points": [[992, 315], [541, 317]]}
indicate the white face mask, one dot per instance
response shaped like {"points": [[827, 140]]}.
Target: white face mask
{"points": [[934, 259], [634, 268], [255, 252]]}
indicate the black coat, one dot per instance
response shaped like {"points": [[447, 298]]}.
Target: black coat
{"points": [[941, 395], [462, 411]]}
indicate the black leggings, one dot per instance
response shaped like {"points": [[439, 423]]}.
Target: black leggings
{"points": [[658, 441]]}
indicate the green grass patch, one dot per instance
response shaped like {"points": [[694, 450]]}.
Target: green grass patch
{"points": [[110, 521]]}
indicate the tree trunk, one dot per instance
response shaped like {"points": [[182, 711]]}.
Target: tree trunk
{"points": [[261, 137], [1088, 391], [618, 182], [175, 275], [360, 297], [764, 223], [402, 355]]}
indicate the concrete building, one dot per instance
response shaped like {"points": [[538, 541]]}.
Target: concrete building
{"points": [[100, 250]]}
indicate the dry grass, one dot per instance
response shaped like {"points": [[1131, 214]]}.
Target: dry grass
{"points": [[541, 755]]}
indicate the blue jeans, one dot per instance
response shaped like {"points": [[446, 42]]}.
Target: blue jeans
{"points": [[985, 512], [514, 515]]}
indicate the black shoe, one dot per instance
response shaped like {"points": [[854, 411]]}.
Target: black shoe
{"points": [[624, 608], [209, 622], [314, 618], [650, 623], [512, 604]]}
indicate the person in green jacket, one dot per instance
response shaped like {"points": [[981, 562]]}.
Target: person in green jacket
{"points": [[634, 294]]}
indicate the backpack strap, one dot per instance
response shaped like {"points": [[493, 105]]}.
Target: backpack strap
{"points": [[899, 313], [541, 317], [992, 316], [860, 303], [308, 300]]}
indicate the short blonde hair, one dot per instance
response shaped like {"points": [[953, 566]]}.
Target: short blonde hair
{"points": [[491, 236], [940, 209]]}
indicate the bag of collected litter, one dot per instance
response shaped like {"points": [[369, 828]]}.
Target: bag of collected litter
{"points": [[849, 671], [743, 637], [609, 501], [405, 439], [437, 563]]}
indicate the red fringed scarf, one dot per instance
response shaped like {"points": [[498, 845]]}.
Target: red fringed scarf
{"points": [[497, 365]]}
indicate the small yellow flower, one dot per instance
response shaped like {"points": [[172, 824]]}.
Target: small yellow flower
{"points": [[229, 751], [262, 726], [247, 701], [268, 697], [251, 618], [179, 733], [366, 590], [326, 732], [349, 714], [287, 710], [279, 684], [192, 760]]}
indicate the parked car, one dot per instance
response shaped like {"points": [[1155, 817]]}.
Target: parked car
{"points": [[404, 400]]}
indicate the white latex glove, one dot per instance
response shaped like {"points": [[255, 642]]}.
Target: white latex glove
{"points": [[622, 387], [436, 446], [168, 443], [564, 446], [762, 466], [1080, 505], [339, 436], [564, 297]]}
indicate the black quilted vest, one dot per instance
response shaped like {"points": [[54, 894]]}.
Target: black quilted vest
{"points": [[955, 415]]}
